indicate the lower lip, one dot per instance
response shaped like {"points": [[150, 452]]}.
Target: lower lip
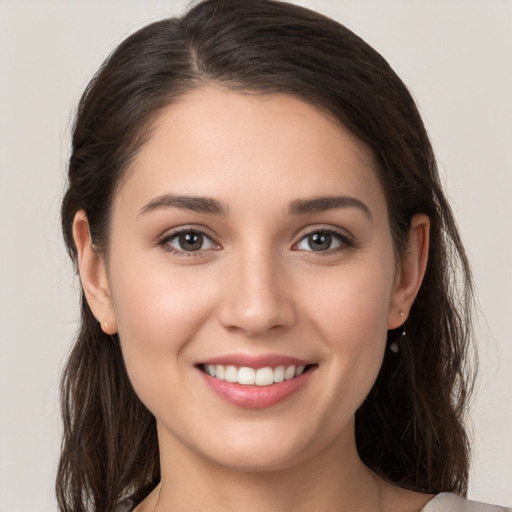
{"points": [[256, 397]]}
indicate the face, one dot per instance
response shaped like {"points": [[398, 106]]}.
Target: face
{"points": [[250, 242]]}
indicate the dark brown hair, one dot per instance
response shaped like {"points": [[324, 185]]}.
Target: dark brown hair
{"points": [[410, 428]]}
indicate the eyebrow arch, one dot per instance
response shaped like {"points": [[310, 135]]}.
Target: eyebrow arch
{"points": [[193, 203], [321, 204]]}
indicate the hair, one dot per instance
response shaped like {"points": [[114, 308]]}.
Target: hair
{"points": [[410, 429]]}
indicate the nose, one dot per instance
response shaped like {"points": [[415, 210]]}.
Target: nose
{"points": [[258, 297]]}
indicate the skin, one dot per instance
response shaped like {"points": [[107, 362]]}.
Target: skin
{"points": [[255, 287]]}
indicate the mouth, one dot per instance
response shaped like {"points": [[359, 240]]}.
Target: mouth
{"points": [[248, 376], [256, 382]]}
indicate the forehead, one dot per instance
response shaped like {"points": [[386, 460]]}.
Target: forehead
{"points": [[240, 146]]}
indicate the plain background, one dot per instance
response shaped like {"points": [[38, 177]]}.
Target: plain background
{"points": [[454, 55]]}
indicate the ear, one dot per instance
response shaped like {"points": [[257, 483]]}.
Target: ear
{"points": [[93, 275], [410, 272]]}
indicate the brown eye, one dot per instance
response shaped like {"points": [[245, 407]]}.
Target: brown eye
{"points": [[322, 241], [190, 241]]}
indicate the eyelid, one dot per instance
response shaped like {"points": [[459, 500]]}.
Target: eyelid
{"points": [[345, 238], [163, 240]]}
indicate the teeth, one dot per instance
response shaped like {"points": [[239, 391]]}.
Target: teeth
{"points": [[289, 373], [231, 374], [279, 374], [249, 376], [246, 376], [219, 372], [264, 377]]}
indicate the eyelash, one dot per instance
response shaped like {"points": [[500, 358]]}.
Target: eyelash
{"points": [[345, 241], [164, 242]]}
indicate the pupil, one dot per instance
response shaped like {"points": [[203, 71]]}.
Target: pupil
{"points": [[320, 241], [191, 241]]}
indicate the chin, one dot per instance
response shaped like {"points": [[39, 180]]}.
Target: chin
{"points": [[257, 461], [263, 449]]}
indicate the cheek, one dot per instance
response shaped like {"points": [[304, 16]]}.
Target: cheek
{"points": [[351, 306], [350, 311], [158, 311]]}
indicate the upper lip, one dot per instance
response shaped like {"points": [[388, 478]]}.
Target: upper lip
{"points": [[261, 361]]}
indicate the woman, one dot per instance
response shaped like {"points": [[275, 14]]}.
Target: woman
{"points": [[272, 278]]}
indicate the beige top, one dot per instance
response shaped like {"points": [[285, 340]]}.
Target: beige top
{"points": [[444, 502]]}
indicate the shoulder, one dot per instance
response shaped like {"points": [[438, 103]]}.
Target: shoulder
{"points": [[447, 502], [444, 502]]}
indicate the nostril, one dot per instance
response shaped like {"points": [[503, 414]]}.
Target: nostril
{"points": [[257, 321], [256, 303]]}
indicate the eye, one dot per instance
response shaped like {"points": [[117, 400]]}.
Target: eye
{"points": [[188, 241], [323, 241]]}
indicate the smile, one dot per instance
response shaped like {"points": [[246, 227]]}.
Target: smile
{"points": [[247, 376], [256, 382]]}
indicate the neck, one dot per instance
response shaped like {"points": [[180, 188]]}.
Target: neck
{"points": [[334, 479]]}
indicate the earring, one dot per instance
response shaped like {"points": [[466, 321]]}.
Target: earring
{"points": [[394, 347]]}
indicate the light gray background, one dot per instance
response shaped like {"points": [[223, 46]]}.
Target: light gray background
{"points": [[454, 55]]}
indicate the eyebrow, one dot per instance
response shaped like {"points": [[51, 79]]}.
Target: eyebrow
{"points": [[322, 204], [212, 206], [195, 204]]}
